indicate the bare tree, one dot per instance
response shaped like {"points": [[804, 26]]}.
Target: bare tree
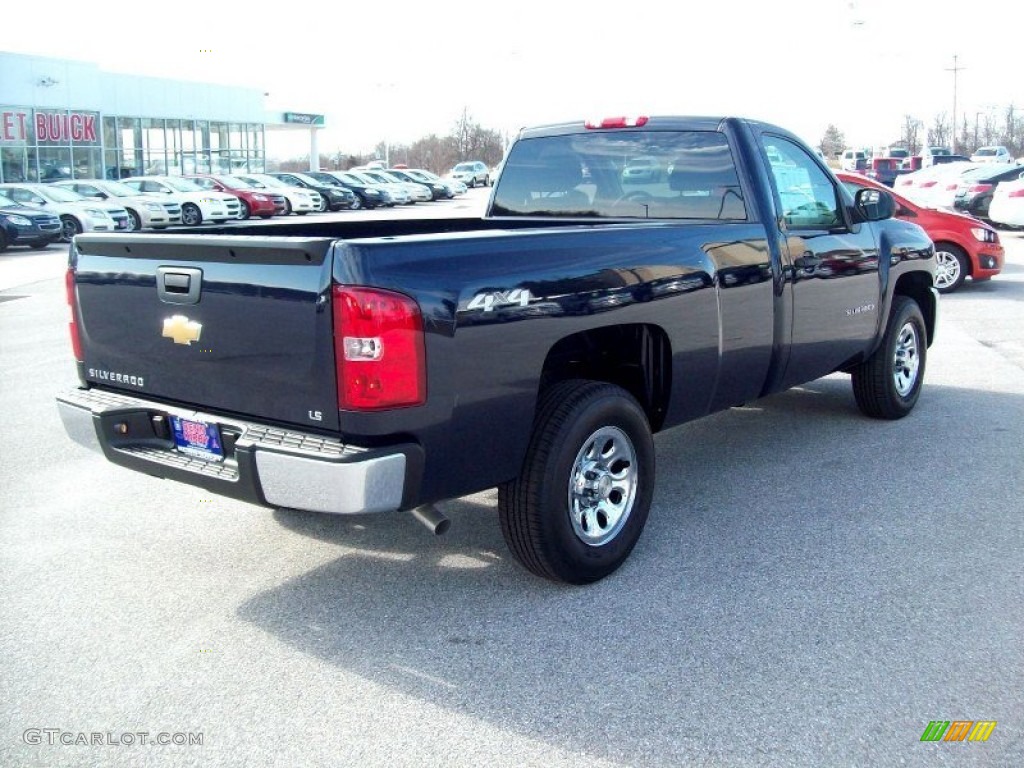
{"points": [[939, 133], [911, 135]]}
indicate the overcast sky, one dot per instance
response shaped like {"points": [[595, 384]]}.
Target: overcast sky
{"points": [[400, 70]]}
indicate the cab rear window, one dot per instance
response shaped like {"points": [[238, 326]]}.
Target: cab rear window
{"points": [[622, 175]]}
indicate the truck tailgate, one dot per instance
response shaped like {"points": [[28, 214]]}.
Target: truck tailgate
{"points": [[238, 324]]}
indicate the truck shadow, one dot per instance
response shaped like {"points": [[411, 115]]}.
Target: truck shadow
{"points": [[739, 597]]}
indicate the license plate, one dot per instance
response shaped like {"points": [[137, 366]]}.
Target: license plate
{"points": [[197, 438]]}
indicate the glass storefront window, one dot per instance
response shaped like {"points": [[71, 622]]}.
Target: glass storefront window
{"points": [[110, 132], [54, 163], [188, 136], [86, 163], [237, 136], [219, 136], [13, 164]]}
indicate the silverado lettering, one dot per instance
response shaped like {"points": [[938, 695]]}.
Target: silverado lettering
{"points": [[629, 276]]}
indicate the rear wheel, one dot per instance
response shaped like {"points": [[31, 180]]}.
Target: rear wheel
{"points": [[580, 504], [951, 267], [3, 241], [888, 384], [191, 216]]}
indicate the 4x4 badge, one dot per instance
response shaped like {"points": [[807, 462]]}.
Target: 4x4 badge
{"points": [[181, 329]]}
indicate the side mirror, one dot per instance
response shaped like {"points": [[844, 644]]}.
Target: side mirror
{"points": [[874, 204]]}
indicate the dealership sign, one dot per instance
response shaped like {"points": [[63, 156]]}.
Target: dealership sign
{"points": [[48, 127], [303, 118]]}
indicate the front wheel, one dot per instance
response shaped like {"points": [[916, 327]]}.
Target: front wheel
{"points": [[581, 501], [244, 210], [69, 227], [191, 216], [951, 267], [888, 384], [356, 205], [134, 220]]}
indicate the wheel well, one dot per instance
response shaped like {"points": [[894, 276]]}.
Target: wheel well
{"points": [[917, 286], [954, 248], [636, 357]]}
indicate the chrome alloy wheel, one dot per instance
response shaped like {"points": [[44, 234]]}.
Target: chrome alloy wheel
{"points": [[602, 486], [907, 360], [947, 269]]}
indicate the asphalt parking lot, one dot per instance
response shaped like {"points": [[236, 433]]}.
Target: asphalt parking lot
{"points": [[812, 589]]}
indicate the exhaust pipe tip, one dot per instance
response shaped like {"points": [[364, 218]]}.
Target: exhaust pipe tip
{"points": [[433, 519]]}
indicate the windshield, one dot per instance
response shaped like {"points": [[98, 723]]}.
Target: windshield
{"points": [[364, 178], [465, 167], [350, 178], [691, 175], [234, 182], [59, 195], [117, 189], [985, 152], [183, 185], [307, 179]]}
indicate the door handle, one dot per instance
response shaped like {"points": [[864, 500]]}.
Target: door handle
{"points": [[179, 285]]}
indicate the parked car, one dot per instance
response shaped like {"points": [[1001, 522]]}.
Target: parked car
{"points": [[921, 186], [197, 204], [143, 210], [944, 159], [333, 197], [928, 155], [418, 193], [1007, 206], [964, 246], [21, 225], [426, 177], [998, 154], [974, 192], [437, 189], [885, 170], [396, 194], [77, 214], [297, 200], [472, 173], [252, 201], [853, 160], [367, 195], [641, 169]]}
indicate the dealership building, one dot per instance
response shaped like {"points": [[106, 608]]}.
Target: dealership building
{"points": [[64, 119]]}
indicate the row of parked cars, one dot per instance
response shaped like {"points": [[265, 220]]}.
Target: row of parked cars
{"points": [[36, 214], [959, 204]]}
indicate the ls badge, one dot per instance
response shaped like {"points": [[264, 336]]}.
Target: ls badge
{"points": [[181, 329]]}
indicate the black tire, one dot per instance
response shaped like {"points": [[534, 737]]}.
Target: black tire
{"points": [[324, 206], [536, 509], [888, 384], [37, 244], [69, 227], [4, 242], [244, 209], [301, 213], [191, 216], [287, 207], [356, 204], [134, 220], [951, 266]]}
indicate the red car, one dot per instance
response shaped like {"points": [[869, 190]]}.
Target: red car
{"points": [[964, 246], [255, 202]]}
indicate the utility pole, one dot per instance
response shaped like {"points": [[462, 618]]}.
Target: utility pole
{"points": [[955, 70]]}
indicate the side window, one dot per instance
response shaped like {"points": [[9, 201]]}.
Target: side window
{"points": [[204, 183], [806, 194]]}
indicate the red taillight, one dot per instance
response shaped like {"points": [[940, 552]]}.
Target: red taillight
{"points": [[927, 184], [1019, 192], [617, 122], [378, 348], [76, 341], [979, 188]]}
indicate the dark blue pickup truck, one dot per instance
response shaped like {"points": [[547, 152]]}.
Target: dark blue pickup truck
{"points": [[375, 366]]}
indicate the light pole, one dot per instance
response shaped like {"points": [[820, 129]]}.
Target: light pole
{"points": [[955, 70]]}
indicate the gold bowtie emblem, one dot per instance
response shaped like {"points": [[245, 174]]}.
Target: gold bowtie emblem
{"points": [[181, 329]]}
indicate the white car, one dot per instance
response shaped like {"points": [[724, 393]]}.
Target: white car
{"points": [[197, 204], [992, 155], [471, 173], [77, 214], [928, 186], [297, 200], [143, 210], [418, 193], [1007, 206]]}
